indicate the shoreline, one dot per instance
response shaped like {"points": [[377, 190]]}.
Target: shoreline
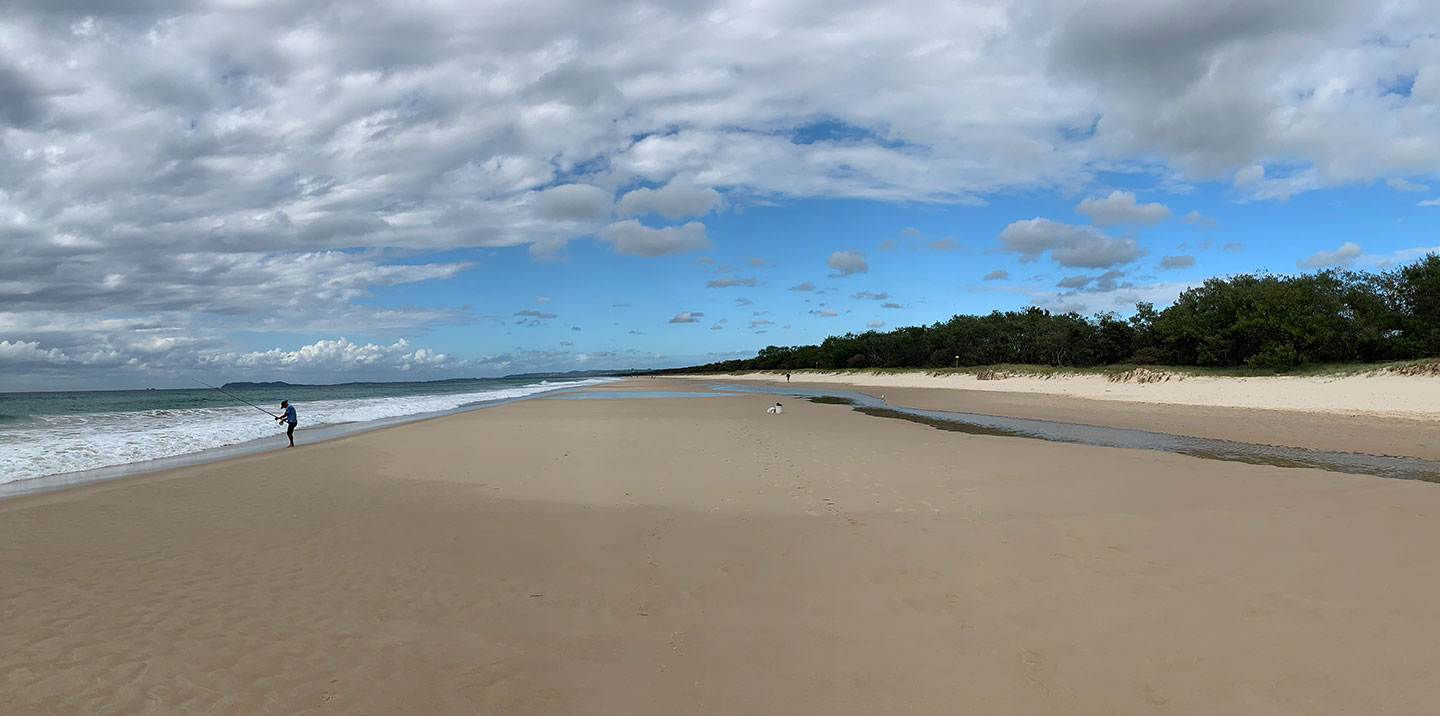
{"points": [[309, 436]]}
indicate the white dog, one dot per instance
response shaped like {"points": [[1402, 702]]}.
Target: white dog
{"points": [[775, 409]]}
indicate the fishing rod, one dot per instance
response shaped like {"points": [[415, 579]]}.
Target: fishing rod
{"points": [[207, 385]]}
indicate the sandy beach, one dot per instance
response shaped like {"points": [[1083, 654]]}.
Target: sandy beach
{"points": [[677, 555], [1375, 414]]}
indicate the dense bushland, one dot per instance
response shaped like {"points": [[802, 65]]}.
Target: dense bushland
{"points": [[1250, 320]]}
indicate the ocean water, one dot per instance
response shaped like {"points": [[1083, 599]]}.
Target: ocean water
{"points": [[43, 434]]}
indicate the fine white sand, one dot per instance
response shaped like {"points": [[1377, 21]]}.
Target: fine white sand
{"points": [[1387, 395], [698, 556]]}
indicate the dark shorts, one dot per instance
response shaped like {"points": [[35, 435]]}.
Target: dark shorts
{"points": [[291, 430]]}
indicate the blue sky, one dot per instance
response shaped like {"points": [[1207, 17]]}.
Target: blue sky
{"points": [[278, 191]]}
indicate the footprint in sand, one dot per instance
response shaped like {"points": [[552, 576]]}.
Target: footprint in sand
{"points": [[1033, 663]]}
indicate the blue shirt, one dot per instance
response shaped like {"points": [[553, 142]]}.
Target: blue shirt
{"points": [[290, 414]]}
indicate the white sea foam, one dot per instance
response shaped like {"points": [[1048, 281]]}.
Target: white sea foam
{"points": [[71, 443]]}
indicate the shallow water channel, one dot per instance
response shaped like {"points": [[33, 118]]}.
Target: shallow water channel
{"points": [[1405, 468]]}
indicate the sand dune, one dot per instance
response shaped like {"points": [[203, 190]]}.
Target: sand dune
{"points": [[698, 556]]}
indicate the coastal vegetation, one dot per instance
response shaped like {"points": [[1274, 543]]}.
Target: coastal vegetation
{"points": [[1248, 322]]}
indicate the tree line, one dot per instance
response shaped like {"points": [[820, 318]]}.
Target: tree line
{"points": [[1249, 320]]}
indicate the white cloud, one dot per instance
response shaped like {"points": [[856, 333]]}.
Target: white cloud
{"points": [[729, 281], [632, 237], [945, 244], [676, 200], [1121, 209], [997, 275], [1195, 217], [1343, 256], [575, 202], [807, 286], [872, 296], [847, 263], [165, 161], [1395, 258], [21, 352], [1175, 262], [1250, 175], [687, 317], [874, 324], [337, 355], [1403, 184], [1430, 202], [1069, 245], [542, 299]]}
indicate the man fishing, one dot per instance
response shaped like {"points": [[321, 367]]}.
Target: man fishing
{"points": [[289, 417]]}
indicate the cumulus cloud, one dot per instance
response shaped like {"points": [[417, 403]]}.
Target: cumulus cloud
{"points": [[535, 314], [824, 313], [872, 296], [874, 324], [340, 355], [542, 299], [997, 275], [1176, 262], [1233, 246], [760, 322], [717, 327], [1075, 281], [1195, 217], [1069, 245], [1121, 209], [687, 317], [21, 352], [1343, 256], [743, 302], [576, 202], [1206, 85], [676, 200], [730, 281], [632, 237], [886, 244], [807, 286], [156, 151], [891, 305], [847, 263], [946, 244], [1430, 202]]}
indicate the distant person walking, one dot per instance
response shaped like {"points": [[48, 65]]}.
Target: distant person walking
{"points": [[289, 417], [787, 377]]}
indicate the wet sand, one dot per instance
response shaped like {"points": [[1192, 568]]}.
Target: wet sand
{"points": [[1361, 431], [675, 555]]}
